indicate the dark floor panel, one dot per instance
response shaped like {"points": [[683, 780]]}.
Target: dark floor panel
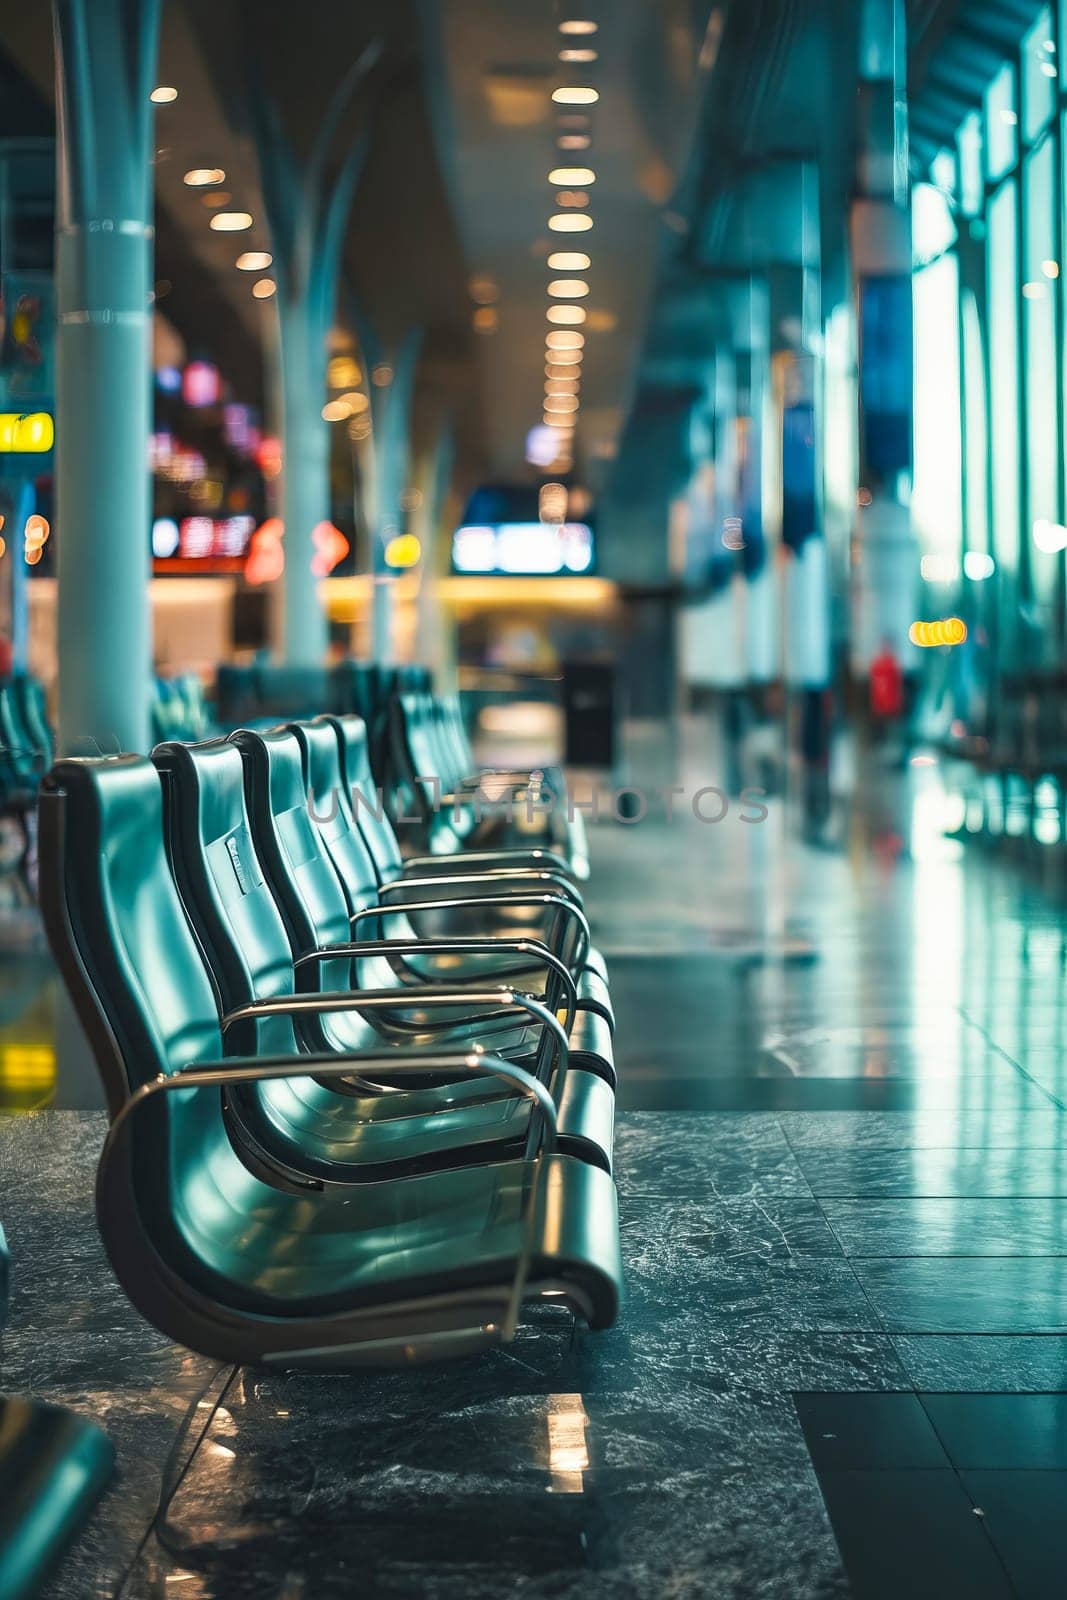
{"points": [[864, 1432], [911, 1535], [1010, 1431], [1023, 1513]]}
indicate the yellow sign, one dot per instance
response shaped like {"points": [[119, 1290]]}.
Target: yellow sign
{"points": [[31, 433]]}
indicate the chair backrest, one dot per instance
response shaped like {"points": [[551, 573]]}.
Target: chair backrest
{"points": [[17, 757], [286, 691], [340, 840], [236, 693], [117, 926], [33, 713], [366, 800], [297, 865], [223, 885]]}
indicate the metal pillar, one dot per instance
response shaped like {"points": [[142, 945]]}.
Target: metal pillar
{"points": [[307, 215], [105, 63], [305, 480], [391, 413], [435, 631]]}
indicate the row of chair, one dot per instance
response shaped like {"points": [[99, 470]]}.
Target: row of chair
{"points": [[362, 1106], [25, 754], [1013, 766]]}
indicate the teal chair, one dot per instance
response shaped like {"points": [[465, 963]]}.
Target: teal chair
{"points": [[214, 1241], [274, 923]]}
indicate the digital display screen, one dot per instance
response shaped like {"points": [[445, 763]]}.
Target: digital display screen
{"points": [[523, 549], [204, 544]]}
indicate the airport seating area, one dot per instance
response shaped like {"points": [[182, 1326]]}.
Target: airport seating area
{"points": [[400, 1074]]}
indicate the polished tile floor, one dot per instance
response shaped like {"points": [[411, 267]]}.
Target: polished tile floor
{"points": [[842, 1366]]}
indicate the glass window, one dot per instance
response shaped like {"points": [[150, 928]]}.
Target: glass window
{"points": [[937, 512], [1039, 75], [976, 430], [1002, 119], [1004, 401], [943, 172], [969, 141], [1040, 332]]}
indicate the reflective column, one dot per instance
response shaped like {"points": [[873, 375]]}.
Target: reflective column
{"points": [[105, 64]]}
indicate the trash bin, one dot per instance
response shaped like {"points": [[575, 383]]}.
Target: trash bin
{"points": [[589, 713]]}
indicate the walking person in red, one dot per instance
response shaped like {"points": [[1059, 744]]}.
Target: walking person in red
{"points": [[886, 691]]}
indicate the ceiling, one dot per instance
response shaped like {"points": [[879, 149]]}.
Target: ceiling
{"points": [[707, 111]]}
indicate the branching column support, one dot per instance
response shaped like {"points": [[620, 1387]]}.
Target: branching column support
{"points": [[307, 209]]}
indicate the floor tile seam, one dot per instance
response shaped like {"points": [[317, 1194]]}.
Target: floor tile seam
{"points": [[974, 1023], [976, 1509], [822, 1212]]}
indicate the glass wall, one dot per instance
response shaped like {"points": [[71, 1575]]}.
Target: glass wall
{"points": [[1004, 183]]}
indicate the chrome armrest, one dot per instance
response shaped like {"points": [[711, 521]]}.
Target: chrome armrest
{"points": [[533, 948], [234, 1070], [503, 998], [555, 902], [536, 856], [494, 877]]}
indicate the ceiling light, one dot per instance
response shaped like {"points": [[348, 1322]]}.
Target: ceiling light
{"points": [[216, 199], [577, 55], [336, 411], [564, 339], [566, 175], [576, 26], [200, 177], [557, 370], [561, 385], [163, 95], [485, 319], [558, 403], [572, 197], [231, 221], [254, 261], [483, 289], [578, 95], [562, 222], [568, 261], [574, 141], [566, 315], [263, 288], [568, 288]]}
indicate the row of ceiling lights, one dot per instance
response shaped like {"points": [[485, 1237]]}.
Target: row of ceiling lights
{"points": [[215, 198], [564, 344]]}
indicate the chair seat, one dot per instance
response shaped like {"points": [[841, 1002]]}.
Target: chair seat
{"points": [[358, 1138]]}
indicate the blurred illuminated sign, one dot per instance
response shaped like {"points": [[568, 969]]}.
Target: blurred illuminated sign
{"points": [[29, 433], [203, 544], [201, 385], [523, 548], [946, 631]]}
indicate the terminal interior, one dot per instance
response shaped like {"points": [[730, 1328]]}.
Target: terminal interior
{"points": [[533, 799]]}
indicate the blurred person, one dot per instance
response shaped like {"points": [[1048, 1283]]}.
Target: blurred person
{"points": [[885, 691]]}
